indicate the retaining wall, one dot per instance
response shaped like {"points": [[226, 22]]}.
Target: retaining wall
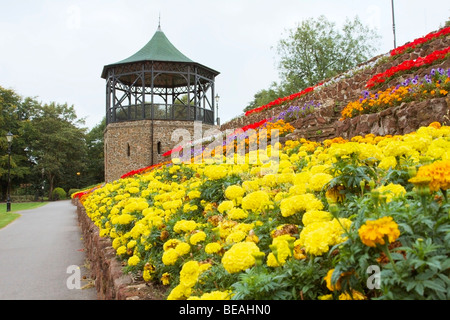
{"points": [[110, 281]]}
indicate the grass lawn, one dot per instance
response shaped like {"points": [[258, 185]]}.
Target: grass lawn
{"points": [[8, 217]]}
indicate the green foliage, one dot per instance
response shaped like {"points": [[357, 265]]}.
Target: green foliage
{"points": [[418, 263], [295, 280], [350, 173], [213, 190], [50, 145], [316, 50], [59, 194]]}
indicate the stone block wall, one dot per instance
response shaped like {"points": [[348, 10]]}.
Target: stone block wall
{"points": [[106, 270], [137, 144]]}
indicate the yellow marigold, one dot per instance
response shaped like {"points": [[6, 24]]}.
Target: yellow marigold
{"points": [[147, 276], [319, 180], [165, 278], [117, 242], [170, 244], [355, 295], [183, 248], [184, 226], [197, 237], [123, 219], [391, 191], [194, 194], [224, 206], [189, 273], [326, 297], [233, 192], [438, 172], [299, 203], [317, 237], [131, 244], [180, 292], [133, 260], [121, 250], [387, 162], [373, 232], [420, 181], [280, 250], [215, 172], [255, 201], [240, 257], [213, 247], [216, 295], [316, 216], [235, 237], [170, 257], [237, 214]]}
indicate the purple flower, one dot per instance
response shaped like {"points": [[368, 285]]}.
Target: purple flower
{"points": [[433, 72], [366, 94], [441, 71]]}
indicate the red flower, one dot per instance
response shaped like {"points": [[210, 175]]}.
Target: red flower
{"points": [[407, 65], [279, 101], [419, 41]]}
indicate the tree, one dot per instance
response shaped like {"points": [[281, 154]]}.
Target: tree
{"points": [[13, 112], [316, 50], [94, 168], [56, 144]]}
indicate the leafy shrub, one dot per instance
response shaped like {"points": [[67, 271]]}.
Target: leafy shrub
{"points": [[59, 194]]}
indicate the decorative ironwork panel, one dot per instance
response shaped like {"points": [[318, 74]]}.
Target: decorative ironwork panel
{"points": [[160, 90]]}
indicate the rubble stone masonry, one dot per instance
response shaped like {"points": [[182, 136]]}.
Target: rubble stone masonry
{"points": [[138, 144]]}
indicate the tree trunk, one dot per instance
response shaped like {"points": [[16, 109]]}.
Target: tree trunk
{"points": [[51, 179]]}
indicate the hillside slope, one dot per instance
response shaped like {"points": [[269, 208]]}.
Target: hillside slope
{"points": [[332, 96]]}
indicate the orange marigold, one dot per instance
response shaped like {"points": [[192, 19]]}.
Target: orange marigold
{"points": [[438, 172], [435, 125], [373, 232]]}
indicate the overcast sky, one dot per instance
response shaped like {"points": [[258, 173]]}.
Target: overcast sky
{"points": [[55, 50]]}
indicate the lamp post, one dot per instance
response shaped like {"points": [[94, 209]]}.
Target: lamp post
{"points": [[393, 23], [217, 105], [9, 138], [78, 179]]}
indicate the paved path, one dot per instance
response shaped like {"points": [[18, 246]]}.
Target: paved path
{"points": [[37, 254]]}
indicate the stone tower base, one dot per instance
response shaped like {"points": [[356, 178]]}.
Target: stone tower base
{"points": [[137, 144]]}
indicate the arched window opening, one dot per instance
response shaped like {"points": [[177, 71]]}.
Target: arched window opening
{"points": [[158, 147]]}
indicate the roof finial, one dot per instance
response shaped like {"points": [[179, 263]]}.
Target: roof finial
{"points": [[159, 22]]}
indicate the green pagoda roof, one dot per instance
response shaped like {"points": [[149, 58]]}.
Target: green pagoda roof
{"points": [[159, 48]]}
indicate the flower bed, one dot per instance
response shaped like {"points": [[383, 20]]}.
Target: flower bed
{"points": [[408, 65], [433, 85], [420, 41], [279, 101], [360, 219]]}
